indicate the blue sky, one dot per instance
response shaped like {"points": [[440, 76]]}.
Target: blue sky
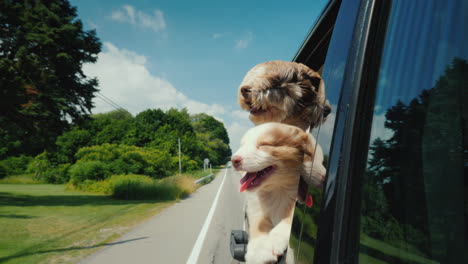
{"points": [[194, 54]]}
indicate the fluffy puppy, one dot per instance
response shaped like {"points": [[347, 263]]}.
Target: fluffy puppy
{"points": [[272, 155], [289, 93], [284, 92]]}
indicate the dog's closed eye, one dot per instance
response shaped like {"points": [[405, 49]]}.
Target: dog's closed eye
{"points": [[245, 90], [326, 110]]}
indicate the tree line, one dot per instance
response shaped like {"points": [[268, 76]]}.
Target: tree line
{"points": [[416, 179], [46, 99], [119, 143]]}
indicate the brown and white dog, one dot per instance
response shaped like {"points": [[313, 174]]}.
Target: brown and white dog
{"points": [[289, 93], [272, 155], [284, 92]]}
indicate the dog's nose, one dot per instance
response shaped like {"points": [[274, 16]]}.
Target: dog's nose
{"points": [[236, 161], [245, 92]]}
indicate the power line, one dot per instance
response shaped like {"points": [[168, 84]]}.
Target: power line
{"points": [[110, 102]]}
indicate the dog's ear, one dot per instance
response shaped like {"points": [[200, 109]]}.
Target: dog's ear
{"points": [[311, 78], [312, 85]]}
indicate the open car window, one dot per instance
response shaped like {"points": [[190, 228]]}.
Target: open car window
{"points": [[396, 78], [314, 53]]}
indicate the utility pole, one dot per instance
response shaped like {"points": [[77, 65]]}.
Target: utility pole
{"points": [[180, 163]]}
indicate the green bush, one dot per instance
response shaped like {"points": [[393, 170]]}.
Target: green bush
{"points": [[104, 153], [102, 187], [132, 161], [48, 175], [16, 165], [124, 159], [63, 174], [184, 183], [69, 142], [45, 170], [57, 174], [39, 165], [137, 187], [20, 179], [3, 171], [88, 170], [188, 165]]}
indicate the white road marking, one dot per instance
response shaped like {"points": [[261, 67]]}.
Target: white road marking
{"points": [[201, 237]]}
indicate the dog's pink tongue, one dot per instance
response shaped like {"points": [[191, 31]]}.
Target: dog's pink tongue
{"points": [[245, 184]]}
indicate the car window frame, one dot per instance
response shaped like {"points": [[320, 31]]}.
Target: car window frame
{"points": [[339, 224], [314, 48]]}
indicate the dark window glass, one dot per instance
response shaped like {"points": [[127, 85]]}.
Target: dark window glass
{"points": [[304, 229], [414, 196]]}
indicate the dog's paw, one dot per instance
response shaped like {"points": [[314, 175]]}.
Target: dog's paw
{"points": [[313, 175], [279, 240], [260, 251]]}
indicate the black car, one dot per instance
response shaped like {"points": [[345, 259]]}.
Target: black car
{"points": [[396, 75]]}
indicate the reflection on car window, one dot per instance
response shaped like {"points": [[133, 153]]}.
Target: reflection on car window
{"points": [[415, 187], [304, 228]]}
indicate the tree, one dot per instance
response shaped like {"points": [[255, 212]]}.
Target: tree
{"points": [[70, 142], [416, 179], [213, 136], [205, 123], [144, 127], [110, 127], [42, 49]]}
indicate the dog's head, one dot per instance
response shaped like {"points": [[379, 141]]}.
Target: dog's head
{"points": [[285, 92], [272, 155]]}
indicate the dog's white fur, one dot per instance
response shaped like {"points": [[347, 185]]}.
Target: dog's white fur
{"points": [[271, 204]]}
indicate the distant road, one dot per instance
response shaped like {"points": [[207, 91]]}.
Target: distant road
{"points": [[183, 233]]}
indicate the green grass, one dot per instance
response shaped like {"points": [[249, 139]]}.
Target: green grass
{"points": [[306, 251], [43, 223], [20, 179]]}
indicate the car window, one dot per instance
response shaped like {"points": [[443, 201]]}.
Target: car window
{"points": [[305, 223], [414, 191]]}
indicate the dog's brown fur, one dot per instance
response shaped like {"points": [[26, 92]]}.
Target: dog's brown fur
{"points": [[284, 92], [271, 204]]}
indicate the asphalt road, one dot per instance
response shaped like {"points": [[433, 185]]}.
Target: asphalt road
{"points": [[195, 230]]}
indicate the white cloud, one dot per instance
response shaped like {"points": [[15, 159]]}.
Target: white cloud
{"points": [[245, 41], [124, 15], [236, 130], [92, 25], [124, 78], [240, 115], [217, 35], [155, 22], [128, 14], [326, 132], [378, 129]]}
